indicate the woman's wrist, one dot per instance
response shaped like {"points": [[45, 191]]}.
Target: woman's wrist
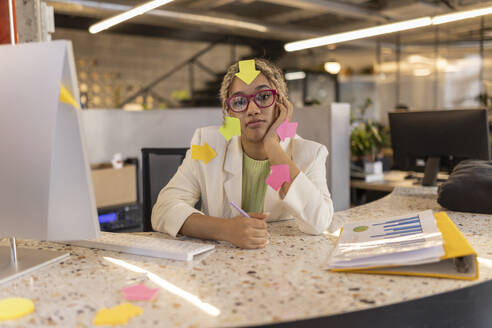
{"points": [[271, 145], [206, 227]]}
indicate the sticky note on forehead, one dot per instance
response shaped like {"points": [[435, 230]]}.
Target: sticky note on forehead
{"points": [[247, 71]]}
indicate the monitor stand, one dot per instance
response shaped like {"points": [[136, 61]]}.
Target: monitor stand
{"points": [[15, 262], [431, 170]]}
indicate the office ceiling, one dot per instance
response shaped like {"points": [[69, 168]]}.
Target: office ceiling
{"points": [[277, 21]]}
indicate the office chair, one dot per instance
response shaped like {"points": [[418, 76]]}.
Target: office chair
{"points": [[158, 167]]}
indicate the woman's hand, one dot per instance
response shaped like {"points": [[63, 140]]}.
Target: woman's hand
{"points": [[247, 232], [285, 110]]}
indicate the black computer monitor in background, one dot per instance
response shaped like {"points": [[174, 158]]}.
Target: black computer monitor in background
{"points": [[449, 136]]}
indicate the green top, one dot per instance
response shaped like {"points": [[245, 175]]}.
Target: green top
{"points": [[254, 185]]}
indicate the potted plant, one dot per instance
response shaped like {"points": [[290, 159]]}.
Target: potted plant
{"points": [[366, 142]]}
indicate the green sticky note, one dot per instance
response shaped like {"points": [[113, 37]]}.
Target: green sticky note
{"points": [[231, 127]]}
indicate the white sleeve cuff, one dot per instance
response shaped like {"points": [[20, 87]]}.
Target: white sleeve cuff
{"points": [[176, 217], [312, 212]]}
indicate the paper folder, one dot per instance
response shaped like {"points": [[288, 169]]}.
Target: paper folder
{"points": [[459, 260]]}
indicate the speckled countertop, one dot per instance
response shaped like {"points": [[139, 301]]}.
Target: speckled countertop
{"points": [[287, 280]]}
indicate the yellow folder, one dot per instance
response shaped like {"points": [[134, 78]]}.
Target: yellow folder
{"points": [[458, 262]]}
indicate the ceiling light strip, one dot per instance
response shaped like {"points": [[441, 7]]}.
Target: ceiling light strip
{"points": [[138, 10], [385, 29], [358, 34], [441, 19]]}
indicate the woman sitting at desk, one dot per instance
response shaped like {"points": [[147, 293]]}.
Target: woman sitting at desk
{"points": [[238, 171]]}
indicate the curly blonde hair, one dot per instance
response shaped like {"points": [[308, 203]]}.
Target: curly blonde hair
{"points": [[271, 71]]}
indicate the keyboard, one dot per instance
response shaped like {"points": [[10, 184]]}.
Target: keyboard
{"points": [[181, 250]]}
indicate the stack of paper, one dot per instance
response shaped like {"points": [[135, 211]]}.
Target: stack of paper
{"points": [[414, 244]]}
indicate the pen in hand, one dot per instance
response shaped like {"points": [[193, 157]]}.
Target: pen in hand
{"points": [[240, 210], [243, 213]]}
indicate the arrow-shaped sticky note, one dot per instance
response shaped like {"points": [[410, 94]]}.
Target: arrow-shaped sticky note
{"points": [[139, 292], [204, 153], [117, 315], [247, 71], [286, 130], [279, 175], [231, 127], [15, 307], [67, 98]]}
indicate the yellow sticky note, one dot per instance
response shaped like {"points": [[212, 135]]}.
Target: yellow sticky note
{"points": [[128, 309], [118, 315], [67, 98], [204, 153], [15, 307], [231, 127], [247, 71]]}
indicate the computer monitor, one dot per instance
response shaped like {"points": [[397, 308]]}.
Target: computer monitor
{"points": [[432, 136], [45, 187]]}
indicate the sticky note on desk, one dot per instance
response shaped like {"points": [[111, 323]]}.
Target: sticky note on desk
{"points": [[15, 307], [139, 292], [204, 153], [279, 175], [118, 315], [231, 127], [286, 130]]}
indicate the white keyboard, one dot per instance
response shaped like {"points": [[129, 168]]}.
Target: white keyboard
{"points": [[148, 246]]}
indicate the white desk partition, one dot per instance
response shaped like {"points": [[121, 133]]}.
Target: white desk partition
{"points": [[330, 125], [110, 131]]}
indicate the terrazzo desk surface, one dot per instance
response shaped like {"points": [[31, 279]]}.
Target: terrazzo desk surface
{"points": [[285, 281]]}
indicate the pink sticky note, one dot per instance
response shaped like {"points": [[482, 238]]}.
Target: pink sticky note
{"points": [[286, 130], [279, 175], [139, 292]]}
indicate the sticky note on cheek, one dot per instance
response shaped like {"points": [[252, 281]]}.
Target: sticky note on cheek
{"points": [[286, 130], [231, 127], [279, 175]]}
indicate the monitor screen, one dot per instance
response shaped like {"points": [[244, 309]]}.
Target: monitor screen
{"points": [[439, 138]]}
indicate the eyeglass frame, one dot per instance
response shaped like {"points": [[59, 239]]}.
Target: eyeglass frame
{"points": [[254, 100]]}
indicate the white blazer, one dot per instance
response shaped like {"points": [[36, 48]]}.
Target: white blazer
{"points": [[220, 181]]}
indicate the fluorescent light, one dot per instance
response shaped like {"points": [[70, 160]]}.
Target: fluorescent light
{"points": [[441, 19], [441, 64], [422, 72], [385, 29], [138, 10], [295, 76], [358, 34], [332, 67]]}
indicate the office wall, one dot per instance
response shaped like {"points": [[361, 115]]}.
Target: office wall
{"points": [[111, 67]]}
